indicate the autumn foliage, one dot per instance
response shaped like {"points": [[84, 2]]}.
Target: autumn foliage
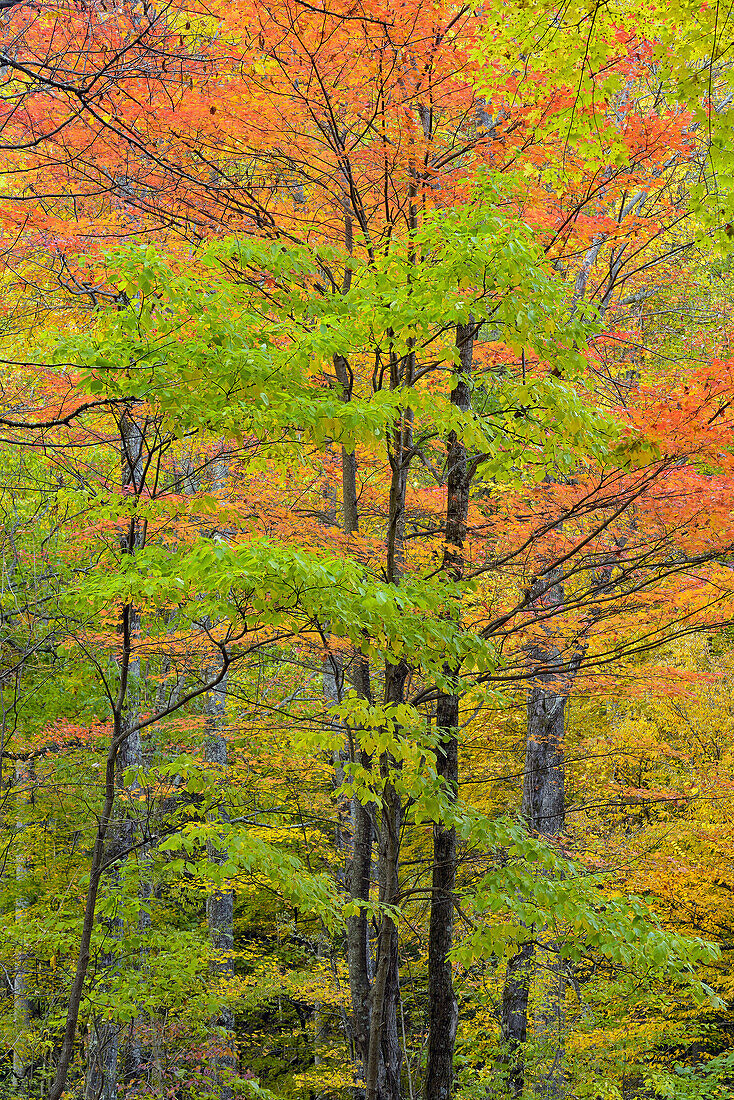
{"points": [[366, 449]]}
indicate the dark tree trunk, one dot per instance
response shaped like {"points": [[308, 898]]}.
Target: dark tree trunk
{"points": [[514, 1023], [21, 1002], [104, 1041], [101, 856], [358, 938], [389, 945], [384, 1053], [443, 1013], [359, 861], [349, 458], [220, 903], [349, 490], [384, 1057], [359, 878]]}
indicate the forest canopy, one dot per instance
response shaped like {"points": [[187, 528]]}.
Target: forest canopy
{"points": [[367, 531]]}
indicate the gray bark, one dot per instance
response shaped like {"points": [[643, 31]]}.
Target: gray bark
{"points": [[543, 800], [544, 810]]}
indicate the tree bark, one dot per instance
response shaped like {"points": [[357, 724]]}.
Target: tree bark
{"points": [[359, 956], [544, 810], [514, 1021], [220, 903], [21, 1006], [384, 1056], [102, 1064], [543, 797], [543, 802], [359, 865], [443, 1012], [349, 459]]}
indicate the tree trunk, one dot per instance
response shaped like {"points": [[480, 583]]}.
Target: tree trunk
{"points": [[543, 798], [359, 865], [350, 503], [21, 1007], [359, 880], [220, 903], [443, 1012], [544, 810], [514, 1021], [384, 1055], [359, 956], [102, 1066]]}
